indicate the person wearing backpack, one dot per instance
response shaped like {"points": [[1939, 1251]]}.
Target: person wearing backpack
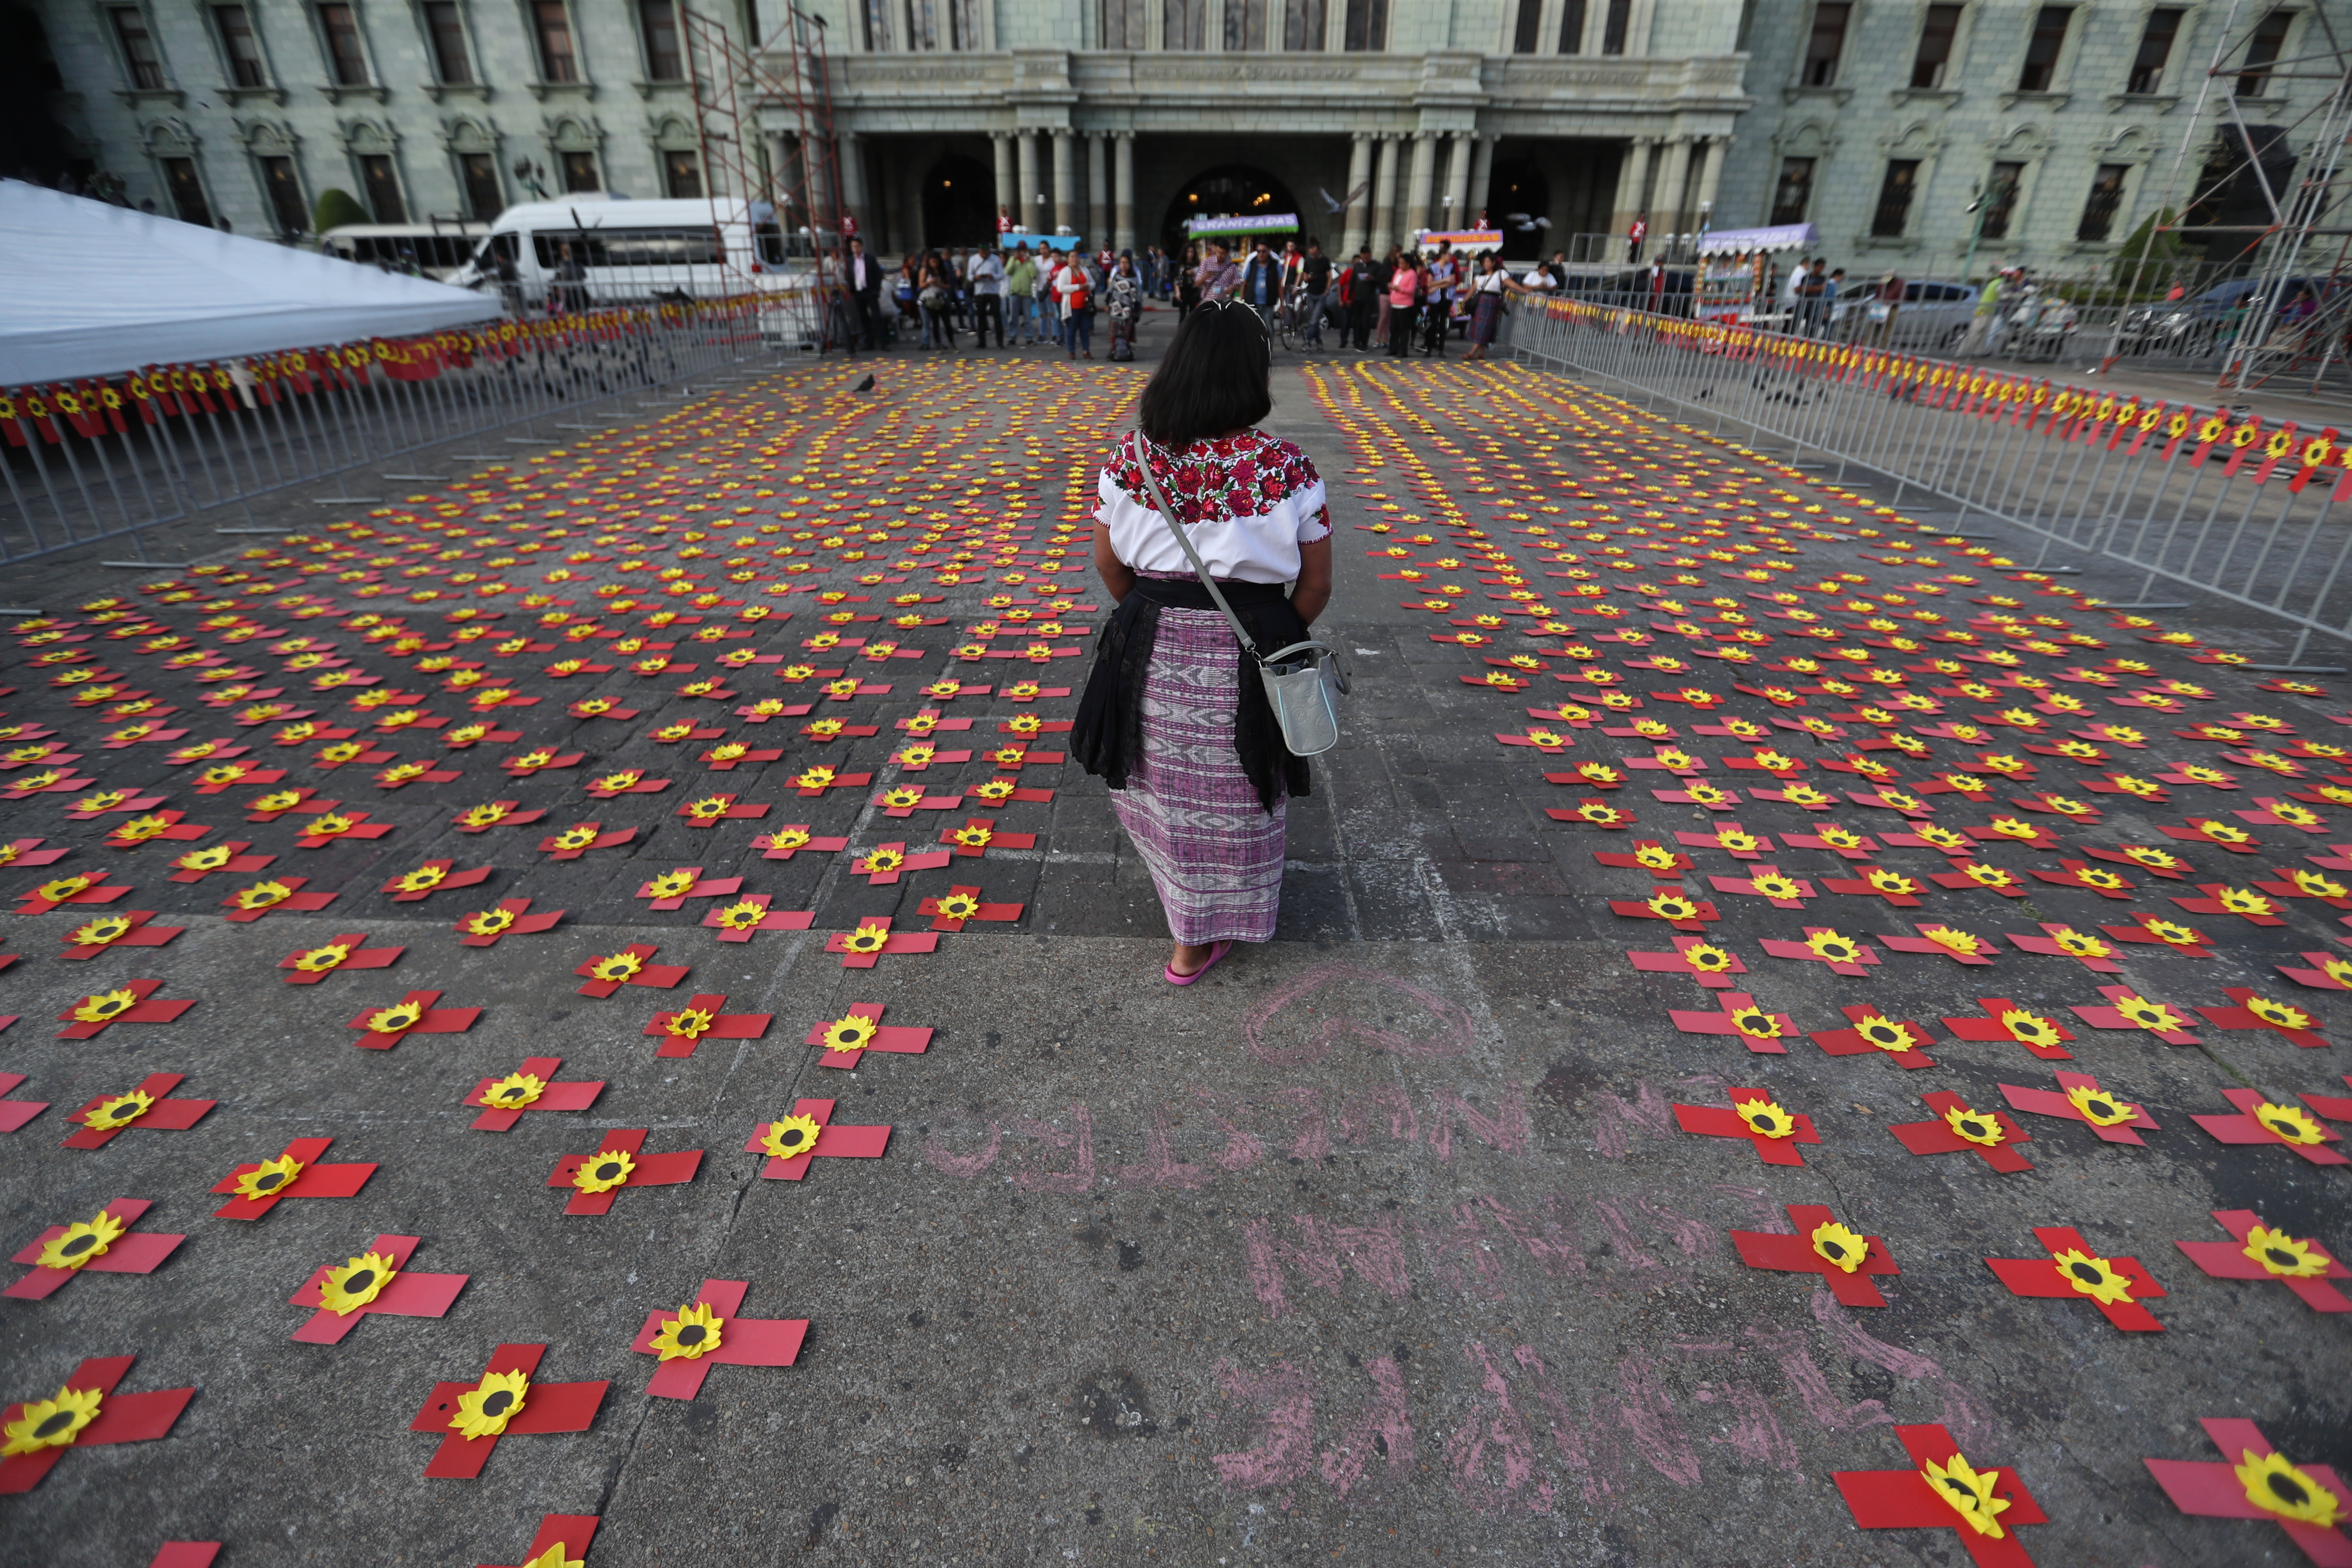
{"points": [[1123, 294]]}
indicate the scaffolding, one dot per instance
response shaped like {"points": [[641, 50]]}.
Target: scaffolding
{"points": [[738, 92], [2262, 208]]}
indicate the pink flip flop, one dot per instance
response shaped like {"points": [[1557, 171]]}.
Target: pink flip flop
{"points": [[1215, 953]]}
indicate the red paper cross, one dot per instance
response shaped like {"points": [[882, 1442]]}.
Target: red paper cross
{"points": [[2228, 1261], [450, 878], [555, 847], [572, 1531], [1715, 1121], [2115, 1016], [216, 781], [2242, 1017], [660, 976], [312, 1181], [358, 958], [1938, 1137], [471, 935], [578, 1094], [710, 810], [408, 1296], [431, 1021], [1721, 1022], [600, 707], [1663, 865], [2142, 931], [628, 781], [1702, 913], [1900, 890], [28, 852], [361, 827], [699, 887], [131, 835], [1864, 957], [495, 813], [2245, 1128], [2089, 877], [2043, 1276], [647, 1171], [141, 934], [296, 902], [1677, 962], [716, 1025], [2214, 1491], [143, 1012], [782, 920], [546, 1407], [1795, 1255], [164, 1116], [943, 921], [832, 1141], [135, 1252], [121, 1418], [886, 1038], [15, 1113], [87, 890], [2043, 1102], [984, 830], [129, 800], [790, 839], [195, 866], [185, 1554], [1906, 1499], [1990, 1027], [894, 941], [2049, 947], [742, 1342]]}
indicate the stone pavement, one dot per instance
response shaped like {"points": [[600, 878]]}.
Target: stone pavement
{"points": [[1391, 1242]]}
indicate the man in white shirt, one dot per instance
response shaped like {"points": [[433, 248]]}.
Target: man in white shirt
{"points": [[987, 274]]}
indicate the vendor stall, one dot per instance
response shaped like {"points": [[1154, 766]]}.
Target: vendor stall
{"points": [[1735, 270]]}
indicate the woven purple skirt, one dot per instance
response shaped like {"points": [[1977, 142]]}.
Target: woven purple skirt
{"points": [[1214, 853]]}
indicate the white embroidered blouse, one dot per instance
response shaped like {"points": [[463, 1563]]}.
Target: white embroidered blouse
{"points": [[1248, 502]]}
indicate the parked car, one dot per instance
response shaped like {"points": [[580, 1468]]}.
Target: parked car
{"points": [[2190, 325], [1933, 316]]}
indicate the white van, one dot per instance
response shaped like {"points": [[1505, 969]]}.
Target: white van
{"points": [[430, 250], [583, 251]]}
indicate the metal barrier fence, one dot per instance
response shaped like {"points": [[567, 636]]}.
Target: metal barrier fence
{"points": [[103, 459], [2184, 493]]}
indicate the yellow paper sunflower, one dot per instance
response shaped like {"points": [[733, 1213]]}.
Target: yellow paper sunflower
{"points": [[396, 1019], [692, 1335], [670, 884], [488, 922], [2285, 1256], [101, 932], [2093, 1277], [2029, 1028], [484, 1411], [1974, 1127], [2100, 1109], [263, 895], [1766, 1118], [600, 1172], [270, 1178], [319, 960], [690, 1024], [351, 1284], [50, 1422], [2274, 1485], [85, 1241], [119, 1111], [618, 968], [788, 1137], [424, 879], [1839, 1246], [514, 1092], [2291, 1122], [850, 1033], [101, 1007], [1969, 1490]]}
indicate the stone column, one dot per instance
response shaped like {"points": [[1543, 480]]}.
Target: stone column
{"points": [[1389, 150], [1098, 194], [852, 153], [1632, 170], [1359, 198], [1457, 180], [1065, 181], [1008, 195], [1417, 194], [1026, 209], [1666, 206], [1122, 220], [1710, 174], [1482, 175]]}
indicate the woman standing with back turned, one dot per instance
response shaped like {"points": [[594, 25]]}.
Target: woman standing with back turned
{"points": [[1175, 719]]}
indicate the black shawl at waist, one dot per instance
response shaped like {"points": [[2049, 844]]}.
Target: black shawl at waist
{"points": [[1108, 733]]}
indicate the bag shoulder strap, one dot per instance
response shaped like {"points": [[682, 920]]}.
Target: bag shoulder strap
{"points": [[1168, 516]]}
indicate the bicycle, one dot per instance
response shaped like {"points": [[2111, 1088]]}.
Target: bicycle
{"points": [[1289, 317]]}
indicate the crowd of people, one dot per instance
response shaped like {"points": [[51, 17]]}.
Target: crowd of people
{"points": [[1033, 290]]}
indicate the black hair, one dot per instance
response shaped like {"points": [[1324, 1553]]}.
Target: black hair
{"points": [[1214, 378]]}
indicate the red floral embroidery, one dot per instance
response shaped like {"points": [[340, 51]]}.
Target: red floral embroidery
{"points": [[1245, 475]]}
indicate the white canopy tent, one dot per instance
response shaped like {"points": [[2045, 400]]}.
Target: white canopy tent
{"points": [[100, 290]]}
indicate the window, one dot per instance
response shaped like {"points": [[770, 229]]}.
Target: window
{"points": [[2099, 207], [2001, 200], [478, 172], [552, 23], [877, 15], [284, 191], [1244, 26], [1366, 30], [243, 49], [1794, 192], [579, 173], [658, 19], [2041, 67], [346, 61], [187, 189], [2155, 52], [963, 25], [139, 56], [1122, 24], [1572, 28], [681, 175], [444, 29], [630, 248], [1302, 25], [1186, 25], [2262, 50], [1894, 194], [922, 31], [1827, 42], [1934, 55], [1615, 23], [383, 188], [1527, 31]]}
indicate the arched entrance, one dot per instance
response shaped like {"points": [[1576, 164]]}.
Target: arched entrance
{"points": [[958, 205], [1517, 195], [1229, 189]]}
